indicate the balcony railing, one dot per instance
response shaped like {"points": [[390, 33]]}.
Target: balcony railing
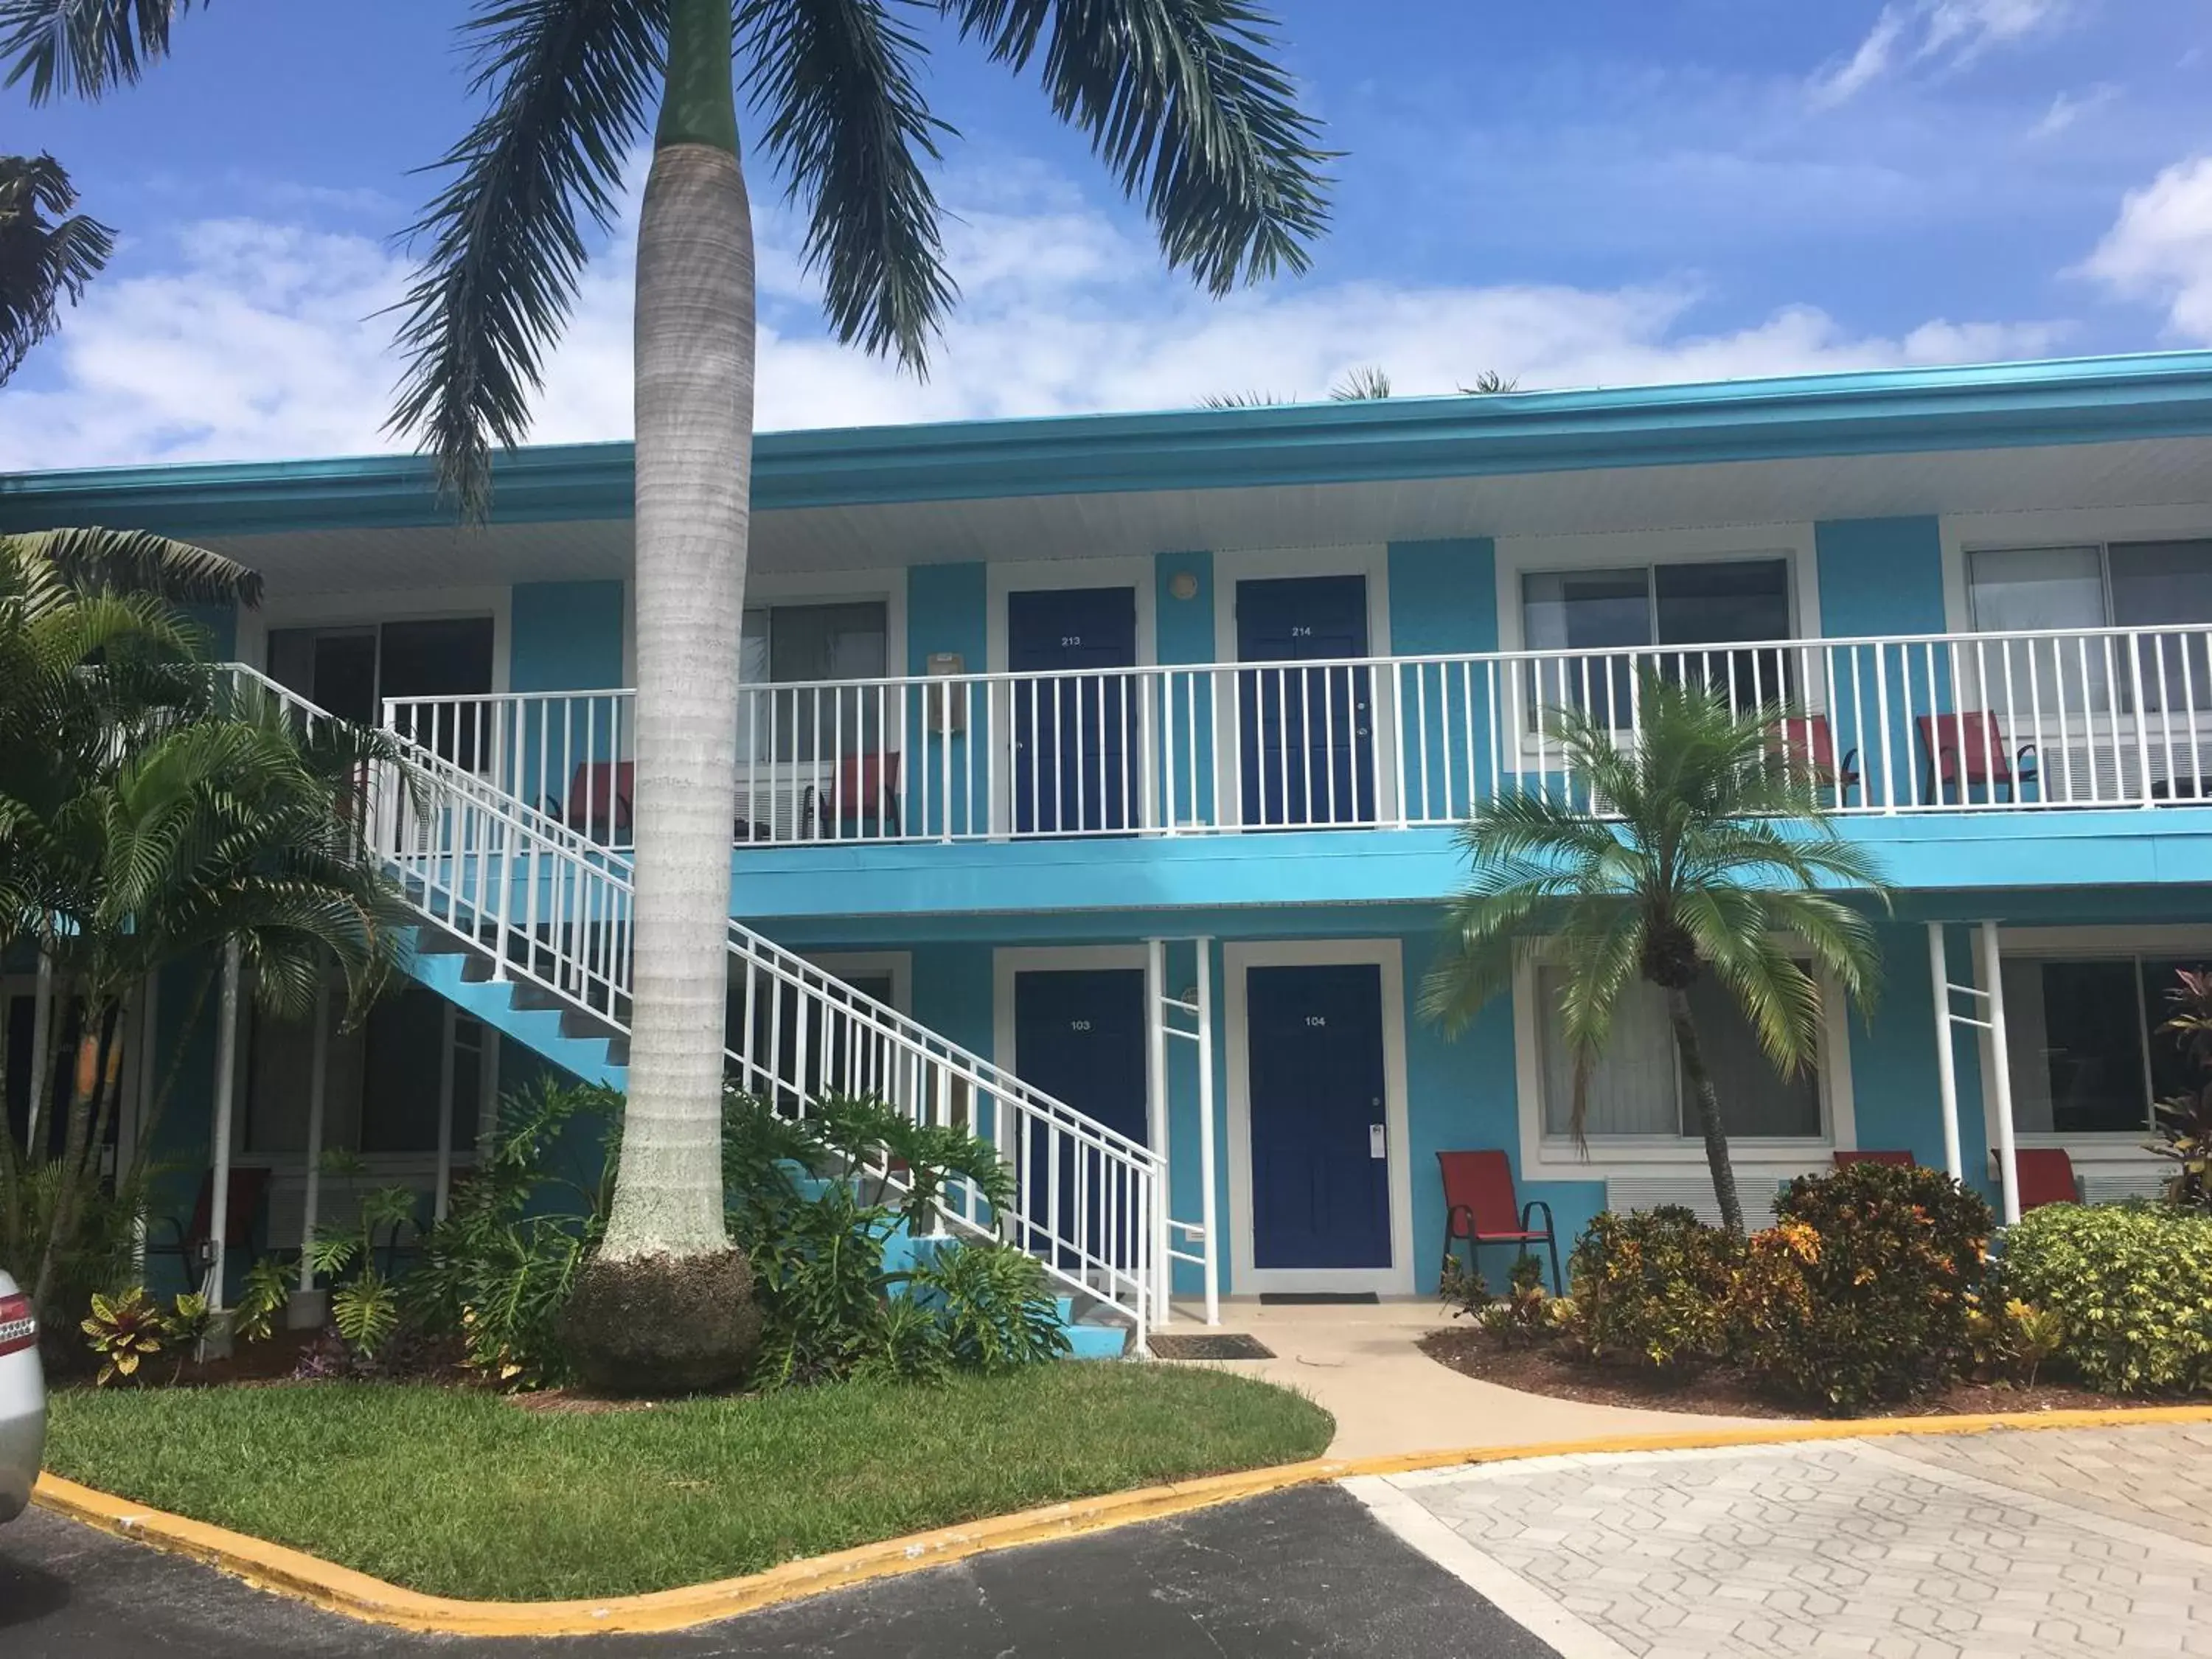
{"points": [[1979, 722]]}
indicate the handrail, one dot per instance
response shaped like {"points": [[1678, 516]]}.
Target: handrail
{"points": [[2122, 714], [550, 906]]}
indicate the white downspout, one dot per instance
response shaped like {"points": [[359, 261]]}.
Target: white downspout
{"points": [[317, 1096], [42, 1025], [1155, 1098]]}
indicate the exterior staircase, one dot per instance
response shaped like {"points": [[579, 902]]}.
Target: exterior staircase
{"points": [[526, 926]]}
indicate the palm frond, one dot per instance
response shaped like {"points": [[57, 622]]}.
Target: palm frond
{"points": [[90, 559], [1366, 383], [1490, 384], [847, 125], [569, 82], [84, 47], [1183, 100], [47, 254], [1239, 400]]}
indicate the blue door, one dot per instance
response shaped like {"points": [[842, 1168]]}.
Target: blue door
{"points": [[1074, 732], [1321, 1179], [1307, 734], [1079, 1037]]}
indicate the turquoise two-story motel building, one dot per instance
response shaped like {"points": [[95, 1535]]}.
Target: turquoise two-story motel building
{"points": [[1011, 763]]}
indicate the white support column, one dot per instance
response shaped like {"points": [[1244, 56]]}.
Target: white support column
{"points": [[444, 1112], [226, 1081], [1999, 1067], [1156, 1099], [1207, 1219], [42, 1028], [317, 1096], [134, 1123], [1947, 1067]]}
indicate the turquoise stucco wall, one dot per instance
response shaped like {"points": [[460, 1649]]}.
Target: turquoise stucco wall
{"points": [[1443, 600], [946, 611], [1184, 634], [565, 636], [1880, 576]]}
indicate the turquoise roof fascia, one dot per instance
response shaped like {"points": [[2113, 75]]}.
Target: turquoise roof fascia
{"points": [[2086, 400]]}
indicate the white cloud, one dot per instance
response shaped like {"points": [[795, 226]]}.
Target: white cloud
{"points": [[2068, 109], [262, 340], [2160, 249], [1938, 35]]}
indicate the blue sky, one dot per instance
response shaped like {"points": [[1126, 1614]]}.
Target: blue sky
{"points": [[1597, 191]]}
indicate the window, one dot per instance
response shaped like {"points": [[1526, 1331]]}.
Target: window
{"points": [[350, 671], [381, 1087], [2087, 1057], [1718, 602], [2115, 585], [1636, 1089], [803, 645]]}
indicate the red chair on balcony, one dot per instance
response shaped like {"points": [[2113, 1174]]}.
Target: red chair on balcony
{"points": [[1482, 1207], [598, 804], [1845, 1160], [1961, 751], [2047, 1176], [867, 790], [1807, 745]]}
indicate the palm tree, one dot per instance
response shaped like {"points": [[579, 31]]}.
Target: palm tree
{"points": [[150, 810], [1180, 99], [47, 253], [1715, 857]]}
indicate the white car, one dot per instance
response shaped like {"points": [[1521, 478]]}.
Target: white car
{"points": [[22, 1400]]}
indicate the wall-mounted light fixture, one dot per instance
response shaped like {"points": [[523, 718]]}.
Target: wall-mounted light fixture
{"points": [[1183, 585]]}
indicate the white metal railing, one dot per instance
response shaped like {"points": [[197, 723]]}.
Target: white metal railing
{"points": [[547, 906], [2000, 721]]}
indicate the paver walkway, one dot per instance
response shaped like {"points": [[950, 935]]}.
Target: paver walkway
{"points": [[2050, 1543]]}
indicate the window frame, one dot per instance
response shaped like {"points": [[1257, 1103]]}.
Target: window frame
{"points": [[1556, 1158], [2092, 943], [769, 606], [2102, 547], [1961, 534]]}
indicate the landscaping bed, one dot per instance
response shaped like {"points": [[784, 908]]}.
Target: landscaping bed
{"points": [[458, 1492], [1720, 1391]]}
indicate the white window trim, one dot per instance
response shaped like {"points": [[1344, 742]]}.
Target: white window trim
{"points": [[364, 610], [1994, 532], [1544, 1157], [1370, 561], [1627, 550], [2114, 1150], [898, 964], [767, 590], [1387, 954]]}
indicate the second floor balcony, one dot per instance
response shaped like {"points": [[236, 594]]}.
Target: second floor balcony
{"points": [[1986, 723]]}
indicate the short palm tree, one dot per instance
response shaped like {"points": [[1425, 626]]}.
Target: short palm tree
{"points": [[47, 253], [1179, 98], [1713, 857]]}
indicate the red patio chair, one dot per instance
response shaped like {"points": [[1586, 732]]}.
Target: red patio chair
{"points": [[1961, 750], [1894, 1160], [191, 1241], [1807, 744], [2047, 1176], [599, 796], [1482, 1207], [867, 787]]}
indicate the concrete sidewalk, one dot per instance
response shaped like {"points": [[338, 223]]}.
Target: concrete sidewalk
{"points": [[1360, 1363]]}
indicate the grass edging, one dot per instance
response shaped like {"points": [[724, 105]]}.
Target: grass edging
{"points": [[341, 1590]]}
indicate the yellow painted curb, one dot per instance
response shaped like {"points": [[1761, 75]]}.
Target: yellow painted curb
{"points": [[340, 1589]]}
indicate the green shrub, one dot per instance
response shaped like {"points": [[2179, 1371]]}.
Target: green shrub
{"points": [[1650, 1288], [1859, 1293], [993, 1306], [2132, 1285]]}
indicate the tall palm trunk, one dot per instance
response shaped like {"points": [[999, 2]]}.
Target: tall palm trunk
{"points": [[1709, 1109], [695, 404]]}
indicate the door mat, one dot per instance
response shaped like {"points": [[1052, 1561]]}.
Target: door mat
{"points": [[1214, 1345], [1318, 1298]]}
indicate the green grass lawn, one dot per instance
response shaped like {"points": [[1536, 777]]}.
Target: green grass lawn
{"points": [[461, 1494]]}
